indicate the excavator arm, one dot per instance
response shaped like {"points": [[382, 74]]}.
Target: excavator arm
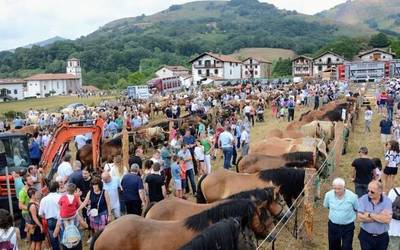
{"points": [[63, 135]]}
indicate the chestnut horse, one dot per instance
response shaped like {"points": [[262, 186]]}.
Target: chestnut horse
{"points": [[132, 232], [223, 183], [178, 209], [254, 163]]}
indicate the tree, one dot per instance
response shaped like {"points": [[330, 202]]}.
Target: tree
{"points": [[136, 78], [379, 40], [282, 67], [57, 66]]}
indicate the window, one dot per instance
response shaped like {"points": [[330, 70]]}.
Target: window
{"points": [[199, 72], [319, 67], [200, 62], [384, 57], [246, 66], [246, 73], [230, 64], [58, 85], [44, 87], [231, 72], [237, 64], [256, 72], [15, 91], [216, 71], [320, 60], [255, 66], [337, 59], [8, 91]]}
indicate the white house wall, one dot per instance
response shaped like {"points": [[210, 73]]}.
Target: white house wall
{"points": [[370, 57], [232, 70], [15, 90], [32, 88]]}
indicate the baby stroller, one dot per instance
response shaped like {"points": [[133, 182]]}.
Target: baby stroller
{"points": [[260, 114]]}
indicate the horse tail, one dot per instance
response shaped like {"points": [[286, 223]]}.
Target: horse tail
{"points": [[151, 204], [95, 237], [200, 196]]}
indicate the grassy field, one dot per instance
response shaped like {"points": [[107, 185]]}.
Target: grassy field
{"points": [[53, 103], [269, 54]]}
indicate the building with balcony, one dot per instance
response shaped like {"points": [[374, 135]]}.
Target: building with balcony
{"points": [[255, 68], [302, 66], [209, 66], [12, 89], [325, 65], [376, 55]]}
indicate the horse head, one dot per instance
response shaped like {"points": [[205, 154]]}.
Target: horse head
{"points": [[276, 204], [262, 222]]}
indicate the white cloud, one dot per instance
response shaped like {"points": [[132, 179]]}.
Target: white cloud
{"points": [[28, 21]]}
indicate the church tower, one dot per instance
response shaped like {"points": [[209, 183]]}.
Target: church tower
{"points": [[74, 68]]}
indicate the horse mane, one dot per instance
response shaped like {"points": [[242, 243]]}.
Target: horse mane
{"points": [[232, 208], [290, 181], [258, 194], [304, 114], [298, 159], [222, 235], [115, 141]]}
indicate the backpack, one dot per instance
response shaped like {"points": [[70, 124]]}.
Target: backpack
{"points": [[6, 244], [71, 236], [396, 206]]}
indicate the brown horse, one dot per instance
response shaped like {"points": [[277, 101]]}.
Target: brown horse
{"points": [[223, 183], [137, 233], [28, 130], [178, 209], [254, 163]]}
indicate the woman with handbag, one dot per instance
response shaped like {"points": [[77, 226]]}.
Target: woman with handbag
{"points": [[99, 211]]}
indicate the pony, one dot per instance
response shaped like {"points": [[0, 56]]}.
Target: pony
{"points": [[223, 183], [227, 234], [254, 163], [137, 233], [178, 209]]}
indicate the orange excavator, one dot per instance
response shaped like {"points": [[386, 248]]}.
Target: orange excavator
{"points": [[59, 142]]}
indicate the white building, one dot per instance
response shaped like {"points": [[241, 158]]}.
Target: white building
{"points": [[11, 89], [376, 55], [326, 62], [170, 71], [42, 85], [209, 67], [302, 66], [255, 68], [74, 68]]}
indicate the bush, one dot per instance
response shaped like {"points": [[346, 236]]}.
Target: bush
{"points": [[11, 114]]}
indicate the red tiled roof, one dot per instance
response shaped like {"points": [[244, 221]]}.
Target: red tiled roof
{"points": [[61, 76], [12, 81], [90, 88], [222, 58]]}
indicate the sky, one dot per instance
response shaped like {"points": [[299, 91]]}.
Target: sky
{"points": [[24, 22]]}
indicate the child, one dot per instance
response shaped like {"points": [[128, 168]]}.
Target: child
{"points": [[176, 176], [282, 113], [378, 170], [182, 166], [69, 204]]}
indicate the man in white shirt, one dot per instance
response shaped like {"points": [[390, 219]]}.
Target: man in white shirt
{"points": [[226, 142], [80, 141], [46, 139], [65, 169], [199, 156], [49, 209], [111, 185], [244, 141]]}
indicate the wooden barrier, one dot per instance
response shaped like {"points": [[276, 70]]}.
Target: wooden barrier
{"points": [[309, 201]]}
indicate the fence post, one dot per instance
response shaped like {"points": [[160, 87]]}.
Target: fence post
{"points": [[309, 201]]}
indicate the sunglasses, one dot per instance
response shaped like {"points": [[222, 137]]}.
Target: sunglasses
{"points": [[370, 191]]}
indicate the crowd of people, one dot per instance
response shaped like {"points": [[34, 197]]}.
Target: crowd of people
{"points": [[78, 199]]}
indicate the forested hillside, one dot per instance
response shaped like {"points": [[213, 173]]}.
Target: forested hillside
{"points": [[129, 50]]}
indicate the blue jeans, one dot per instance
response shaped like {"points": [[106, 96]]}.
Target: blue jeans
{"points": [[228, 153], [340, 236], [361, 189], [389, 112], [190, 177], [55, 244]]}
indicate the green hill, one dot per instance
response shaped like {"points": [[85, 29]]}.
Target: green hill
{"points": [[112, 53], [383, 15]]}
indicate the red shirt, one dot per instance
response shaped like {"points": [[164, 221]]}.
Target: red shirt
{"points": [[68, 209]]}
